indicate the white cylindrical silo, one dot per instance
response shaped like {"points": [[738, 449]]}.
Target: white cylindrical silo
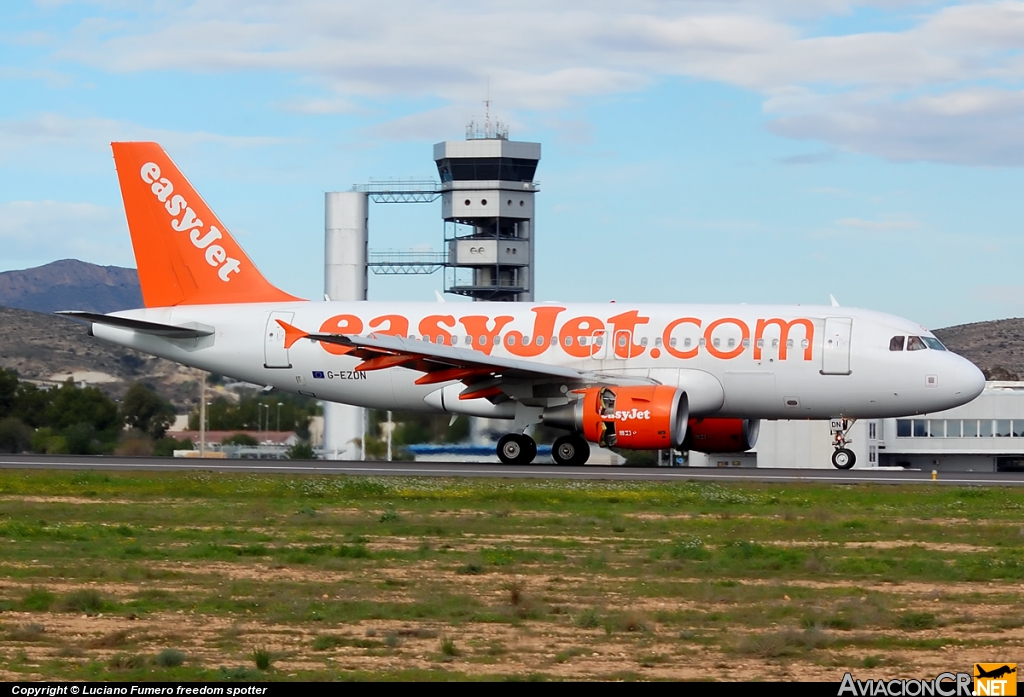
{"points": [[345, 243]]}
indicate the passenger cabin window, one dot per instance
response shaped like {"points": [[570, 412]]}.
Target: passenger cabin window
{"points": [[915, 343], [896, 343]]}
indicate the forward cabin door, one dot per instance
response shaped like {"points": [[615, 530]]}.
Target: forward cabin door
{"points": [[835, 346], [275, 355]]}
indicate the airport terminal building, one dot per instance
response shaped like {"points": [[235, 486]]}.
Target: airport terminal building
{"points": [[986, 435]]}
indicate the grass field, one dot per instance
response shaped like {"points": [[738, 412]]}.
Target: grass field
{"points": [[195, 576]]}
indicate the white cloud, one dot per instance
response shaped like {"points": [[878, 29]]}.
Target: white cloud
{"points": [[969, 127], [941, 89], [92, 133], [51, 77], [319, 106], [31, 230]]}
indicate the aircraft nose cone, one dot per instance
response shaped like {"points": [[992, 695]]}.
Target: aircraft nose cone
{"points": [[969, 380]]}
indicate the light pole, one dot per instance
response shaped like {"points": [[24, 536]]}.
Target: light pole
{"points": [[279, 405]]}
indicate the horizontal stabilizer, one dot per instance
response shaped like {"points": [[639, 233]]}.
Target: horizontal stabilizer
{"points": [[192, 330]]}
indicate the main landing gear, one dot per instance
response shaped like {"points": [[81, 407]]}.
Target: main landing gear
{"points": [[521, 449], [842, 457], [570, 451], [517, 449]]}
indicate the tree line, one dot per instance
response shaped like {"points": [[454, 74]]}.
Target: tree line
{"points": [[76, 420]]}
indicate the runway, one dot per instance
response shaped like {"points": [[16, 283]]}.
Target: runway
{"points": [[534, 471]]}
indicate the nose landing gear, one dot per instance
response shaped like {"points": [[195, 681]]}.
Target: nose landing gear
{"points": [[842, 457]]}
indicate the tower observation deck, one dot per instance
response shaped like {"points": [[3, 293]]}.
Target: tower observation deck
{"points": [[487, 192]]}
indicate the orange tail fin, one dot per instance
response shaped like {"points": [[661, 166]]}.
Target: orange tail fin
{"points": [[184, 253]]}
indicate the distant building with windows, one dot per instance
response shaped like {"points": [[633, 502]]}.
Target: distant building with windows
{"points": [[986, 435]]}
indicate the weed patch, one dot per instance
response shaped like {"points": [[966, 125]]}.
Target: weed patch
{"points": [[33, 631], [86, 600]]}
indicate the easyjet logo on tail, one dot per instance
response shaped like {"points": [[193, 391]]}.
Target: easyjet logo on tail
{"points": [[176, 205]]}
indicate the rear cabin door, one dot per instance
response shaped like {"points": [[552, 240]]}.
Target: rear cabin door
{"points": [[275, 355], [835, 346]]}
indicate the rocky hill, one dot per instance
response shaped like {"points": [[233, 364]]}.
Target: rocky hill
{"points": [[996, 347], [70, 284]]}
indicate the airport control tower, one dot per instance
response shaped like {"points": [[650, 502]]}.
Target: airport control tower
{"points": [[487, 193]]}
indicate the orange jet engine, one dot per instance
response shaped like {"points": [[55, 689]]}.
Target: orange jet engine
{"points": [[645, 417], [722, 435]]}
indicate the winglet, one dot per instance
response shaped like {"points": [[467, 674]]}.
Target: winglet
{"points": [[291, 334]]}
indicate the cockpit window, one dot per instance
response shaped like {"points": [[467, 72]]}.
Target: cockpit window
{"points": [[915, 343], [896, 343], [933, 343]]}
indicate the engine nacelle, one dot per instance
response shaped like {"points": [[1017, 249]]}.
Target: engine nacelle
{"points": [[712, 435], [644, 417]]}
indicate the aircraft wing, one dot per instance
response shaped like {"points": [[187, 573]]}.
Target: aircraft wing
{"points": [[484, 375]]}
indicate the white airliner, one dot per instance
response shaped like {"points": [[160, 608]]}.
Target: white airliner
{"points": [[694, 377]]}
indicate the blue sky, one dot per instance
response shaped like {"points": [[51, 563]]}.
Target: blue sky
{"points": [[773, 151]]}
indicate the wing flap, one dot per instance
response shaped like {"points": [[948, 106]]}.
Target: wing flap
{"points": [[428, 358]]}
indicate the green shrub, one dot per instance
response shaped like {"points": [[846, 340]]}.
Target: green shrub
{"points": [[38, 600], [165, 447], [448, 647], [588, 619], [356, 551], [170, 658], [261, 657], [301, 451], [914, 621], [124, 662], [326, 642], [86, 600], [15, 436]]}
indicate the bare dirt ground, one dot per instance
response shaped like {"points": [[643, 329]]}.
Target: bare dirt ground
{"points": [[329, 588]]}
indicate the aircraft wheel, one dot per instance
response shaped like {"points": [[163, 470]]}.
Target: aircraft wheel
{"points": [[517, 449], [570, 451], [843, 458]]}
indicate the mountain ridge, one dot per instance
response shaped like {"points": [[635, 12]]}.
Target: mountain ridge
{"points": [[70, 284]]}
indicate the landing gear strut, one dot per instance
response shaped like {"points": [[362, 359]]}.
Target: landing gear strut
{"points": [[842, 457], [570, 451], [517, 449]]}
